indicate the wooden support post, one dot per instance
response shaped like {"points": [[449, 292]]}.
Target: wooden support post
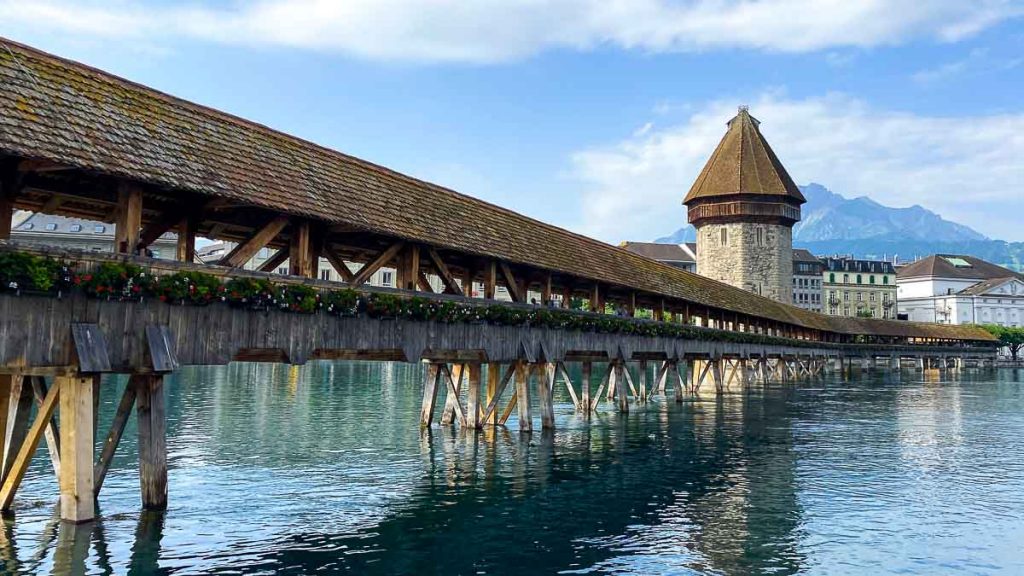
{"points": [[587, 369], [152, 423], [453, 396], [300, 262], [569, 386], [451, 401], [566, 297], [28, 448], [545, 389], [77, 497], [124, 411], [473, 396], [50, 432], [659, 310], [129, 218], [186, 251], [545, 290], [643, 381], [517, 293], [493, 379], [660, 379], [523, 397], [678, 380], [16, 401], [631, 304], [490, 279], [620, 387], [9, 184], [596, 300], [430, 379], [409, 268]]}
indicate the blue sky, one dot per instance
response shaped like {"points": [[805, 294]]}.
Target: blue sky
{"points": [[597, 116]]}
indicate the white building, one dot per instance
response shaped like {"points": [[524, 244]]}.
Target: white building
{"points": [[951, 289], [77, 234]]}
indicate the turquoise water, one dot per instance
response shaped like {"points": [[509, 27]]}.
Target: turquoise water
{"points": [[324, 469]]}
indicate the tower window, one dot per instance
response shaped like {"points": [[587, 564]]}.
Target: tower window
{"points": [[760, 236], [725, 237]]}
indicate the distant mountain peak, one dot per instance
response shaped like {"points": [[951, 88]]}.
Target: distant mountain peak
{"points": [[831, 218]]}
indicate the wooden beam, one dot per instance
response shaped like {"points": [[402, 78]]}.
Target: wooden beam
{"points": [[523, 397], [10, 187], [473, 395], [596, 300], [271, 264], [338, 263], [423, 283], [30, 165], [450, 285], [408, 270], [17, 397], [77, 497], [124, 411], [299, 261], [384, 258], [186, 251], [51, 432], [152, 424], [490, 279], [495, 396], [431, 377], [631, 303], [163, 223], [52, 204], [514, 290], [545, 289], [246, 250], [28, 448], [128, 223], [545, 390]]}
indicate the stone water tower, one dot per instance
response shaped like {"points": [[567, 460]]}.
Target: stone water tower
{"points": [[743, 206]]}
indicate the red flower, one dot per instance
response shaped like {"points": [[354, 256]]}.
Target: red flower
{"points": [[136, 289], [100, 289], [87, 277], [77, 280], [163, 298]]}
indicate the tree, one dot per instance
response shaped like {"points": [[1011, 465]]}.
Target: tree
{"points": [[1012, 338]]}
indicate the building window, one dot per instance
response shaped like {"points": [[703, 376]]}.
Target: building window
{"points": [[282, 270], [860, 296], [325, 274], [725, 237], [846, 295], [885, 279], [760, 236], [99, 229], [846, 278], [871, 297], [871, 279], [28, 226], [386, 278], [51, 227], [859, 279], [76, 227], [832, 277]]}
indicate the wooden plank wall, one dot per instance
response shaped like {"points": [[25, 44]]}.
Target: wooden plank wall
{"points": [[36, 331]]}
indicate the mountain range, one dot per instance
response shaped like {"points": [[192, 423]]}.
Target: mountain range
{"points": [[833, 224]]}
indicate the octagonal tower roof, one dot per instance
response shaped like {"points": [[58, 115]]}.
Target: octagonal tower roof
{"points": [[744, 163]]}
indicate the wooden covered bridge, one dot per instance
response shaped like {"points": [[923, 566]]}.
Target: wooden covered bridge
{"points": [[80, 142]]}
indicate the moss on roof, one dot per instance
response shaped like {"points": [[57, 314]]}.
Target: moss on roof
{"points": [[66, 112]]}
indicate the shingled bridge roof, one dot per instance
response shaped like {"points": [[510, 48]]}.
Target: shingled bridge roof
{"points": [[63, 111]]}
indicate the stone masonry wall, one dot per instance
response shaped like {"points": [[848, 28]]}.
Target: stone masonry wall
{"points": [[754, 257]]}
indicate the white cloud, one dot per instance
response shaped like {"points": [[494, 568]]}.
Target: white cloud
{"points": [[968, 169], [496, 30]]}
